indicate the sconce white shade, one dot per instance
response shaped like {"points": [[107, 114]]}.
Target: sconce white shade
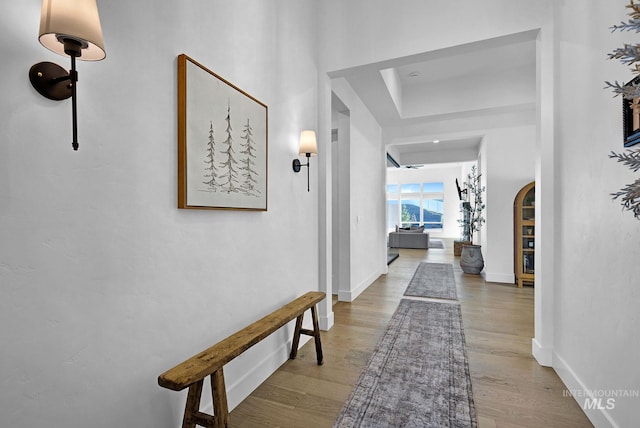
{"points": [[308, 144], [72, 19]]}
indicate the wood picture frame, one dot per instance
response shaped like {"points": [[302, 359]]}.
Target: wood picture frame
{"points": [[631, 117], [222, 142]]}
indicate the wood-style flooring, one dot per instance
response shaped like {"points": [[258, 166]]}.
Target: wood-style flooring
{"points": [[510, 389]]}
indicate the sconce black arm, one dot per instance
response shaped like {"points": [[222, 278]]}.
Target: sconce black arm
{"points": [[55, 83], [297, 166]]}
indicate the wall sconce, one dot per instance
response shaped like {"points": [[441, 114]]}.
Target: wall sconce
{"points": [[70, 28], [308, 147]]}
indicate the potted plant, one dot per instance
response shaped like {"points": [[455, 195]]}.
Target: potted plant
{"points": [[465, 227], [465, 231], [471, 260]]}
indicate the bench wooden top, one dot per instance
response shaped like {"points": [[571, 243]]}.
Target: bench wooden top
{"points": [[208, 361]]}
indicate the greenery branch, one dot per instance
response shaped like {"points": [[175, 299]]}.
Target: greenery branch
{"points": [[629, 196], [630, 159], [628, 92], [629, 54], [475, 206]]}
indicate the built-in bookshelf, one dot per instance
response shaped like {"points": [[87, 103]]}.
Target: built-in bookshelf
{"points": [[524, 214]]}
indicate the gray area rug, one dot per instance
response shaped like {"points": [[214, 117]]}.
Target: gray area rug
{"points": [[433, 280], [436, 243], [418, 375]]}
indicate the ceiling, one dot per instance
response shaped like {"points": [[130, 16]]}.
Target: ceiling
{"points": [[452, 95]]}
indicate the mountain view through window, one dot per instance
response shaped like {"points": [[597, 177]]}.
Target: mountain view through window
{"points": [[415, 204]]}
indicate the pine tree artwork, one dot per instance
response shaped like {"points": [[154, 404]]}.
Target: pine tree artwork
{"points": [[223, 143], [629, 55], [230, 177], [211, 172], [248, 163]]}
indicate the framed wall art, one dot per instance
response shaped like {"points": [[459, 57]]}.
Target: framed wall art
{"points": [[631, 117], [222, 142]]}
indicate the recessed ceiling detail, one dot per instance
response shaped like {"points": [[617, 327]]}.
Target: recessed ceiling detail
{"points": [[487, 83], [487, 78]]}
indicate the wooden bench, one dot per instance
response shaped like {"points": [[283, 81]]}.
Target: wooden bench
{"points": [[192, 372]]}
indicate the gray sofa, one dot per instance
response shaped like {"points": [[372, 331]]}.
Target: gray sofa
{"points": [[409, 239]]}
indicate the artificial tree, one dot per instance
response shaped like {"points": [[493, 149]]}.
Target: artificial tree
{"points": [[474, 207], [629, 55]]}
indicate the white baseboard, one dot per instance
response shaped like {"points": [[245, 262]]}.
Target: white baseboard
{"points": [[253, 377], [347, 296], [506, 278], [351, 295], [544, 356], [599, 416], [326, 322]]}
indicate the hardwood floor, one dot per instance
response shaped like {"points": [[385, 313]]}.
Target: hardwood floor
{"points": [[510, 389]]}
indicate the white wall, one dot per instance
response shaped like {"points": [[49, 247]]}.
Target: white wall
{"points": [[341, 158], [508, 163], [483, 92], [597, 299], [105, 284], [366, 181], [445, 173], [366, 31]]}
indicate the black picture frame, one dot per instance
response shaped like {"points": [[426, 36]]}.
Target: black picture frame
{"points": [[631, 117]]}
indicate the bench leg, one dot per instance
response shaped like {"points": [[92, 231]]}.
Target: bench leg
{"points": [[193, 405], [315, 333], [220, 406], [316, 336], [192, 415], [296, 337]]}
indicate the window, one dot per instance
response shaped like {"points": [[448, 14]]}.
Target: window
{"points": [[393, 214], [432, 212], [433, 187], [433, 204], [410, 212], [416, 204], [410, 188]]}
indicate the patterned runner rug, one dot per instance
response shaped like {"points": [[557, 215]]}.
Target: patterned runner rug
{"points": [[433, 280], [418, 375]]}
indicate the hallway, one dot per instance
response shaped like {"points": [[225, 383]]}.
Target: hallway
{"points": [[510, 388]]}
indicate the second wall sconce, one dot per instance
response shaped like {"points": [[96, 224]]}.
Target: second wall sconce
{"points": [[308, 147], [69, 28]]}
